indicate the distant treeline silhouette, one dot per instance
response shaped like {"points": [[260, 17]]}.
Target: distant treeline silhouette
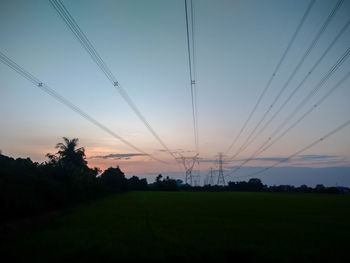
{"points": [[29, 188], [255, 185]]}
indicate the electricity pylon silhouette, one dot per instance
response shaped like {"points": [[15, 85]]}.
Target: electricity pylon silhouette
{"points": [[211, 177], [196, 179], [188, 163], [221, 178]]}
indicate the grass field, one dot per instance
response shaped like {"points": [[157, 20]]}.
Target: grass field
{"points": [[185, 226]]}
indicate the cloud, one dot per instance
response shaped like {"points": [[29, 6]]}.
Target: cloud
{"points": [[316, 157], [161, 150], [312, 159], [319, 159], [268, 159], [271, 159], [302, 158], [119, 156], [176, 151]]}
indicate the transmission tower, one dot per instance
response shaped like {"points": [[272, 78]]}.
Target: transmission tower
{"points": [[189, 163], [221, 178], [211, 177], [196, 179]]}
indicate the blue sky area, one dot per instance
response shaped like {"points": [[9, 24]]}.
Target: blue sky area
{"points": [[237, 46]]}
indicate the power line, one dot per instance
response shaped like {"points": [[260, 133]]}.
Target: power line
{"points": [[262, 148], [296, 69], [300, 151], [86, 44], [306, 113], [13, 65], [340, 33], [192, 67], [267, 86], [194, 71], [334, 68], [313, 91]]}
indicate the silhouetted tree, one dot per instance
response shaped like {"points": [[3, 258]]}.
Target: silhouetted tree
{"points": [[134, 183], [166, 184], [114, 180], [159, 178], [68, 154], [255, 184]]}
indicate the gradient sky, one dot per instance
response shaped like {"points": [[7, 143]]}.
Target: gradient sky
{"points": [[238, 44]]}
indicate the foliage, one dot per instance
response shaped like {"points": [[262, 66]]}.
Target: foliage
{"points": [[167, 184], [134, 183], [253, 185], [28, 188]]}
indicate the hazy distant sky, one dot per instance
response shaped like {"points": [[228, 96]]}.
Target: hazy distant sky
{"points": [[238, 44]]}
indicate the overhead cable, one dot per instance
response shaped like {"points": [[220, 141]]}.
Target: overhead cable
{"points": [[275, 71], [329, 134], [86, 44], [295, 70], [192, 68], [24, 73]]}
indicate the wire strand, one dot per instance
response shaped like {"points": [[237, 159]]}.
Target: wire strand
{"points": [[7, 61], [344, 125], [275, 71], [295, 70], [262, 148], [86, 44], [308, 74], [191, 66]]}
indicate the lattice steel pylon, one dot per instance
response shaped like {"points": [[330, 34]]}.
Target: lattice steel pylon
{"points": [[189, 163], [211, 177], [221, 178], [196, 179]]}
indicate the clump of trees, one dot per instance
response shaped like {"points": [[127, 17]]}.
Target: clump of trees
{"points": [[256, 185], [165, 184], [253, 185], [29, 188]]}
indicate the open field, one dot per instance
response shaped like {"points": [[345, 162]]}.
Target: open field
{"points": [[189, 226]]}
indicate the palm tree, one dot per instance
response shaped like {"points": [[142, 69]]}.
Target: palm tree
{"points": [[68, 154]]}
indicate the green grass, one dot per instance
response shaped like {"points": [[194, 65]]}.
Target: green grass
{"points": [[184, 226]]}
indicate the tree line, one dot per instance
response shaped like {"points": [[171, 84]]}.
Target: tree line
{"points": [[29, 188]]}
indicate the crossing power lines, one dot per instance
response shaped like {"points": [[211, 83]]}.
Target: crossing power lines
{"points": [[292, 75], [190, 37], [275, 71], [297, 88], [326, 136], [86, 44], [24, 73], [299, 106], [264, 122]]}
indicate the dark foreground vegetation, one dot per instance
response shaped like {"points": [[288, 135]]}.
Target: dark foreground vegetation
{"points": [[193, 227], [28, 188]]}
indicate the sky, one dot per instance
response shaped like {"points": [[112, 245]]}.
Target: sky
{"points": [[237, 46]]}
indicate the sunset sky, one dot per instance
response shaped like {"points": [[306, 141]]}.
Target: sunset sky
{"points": [[237, 46]]}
